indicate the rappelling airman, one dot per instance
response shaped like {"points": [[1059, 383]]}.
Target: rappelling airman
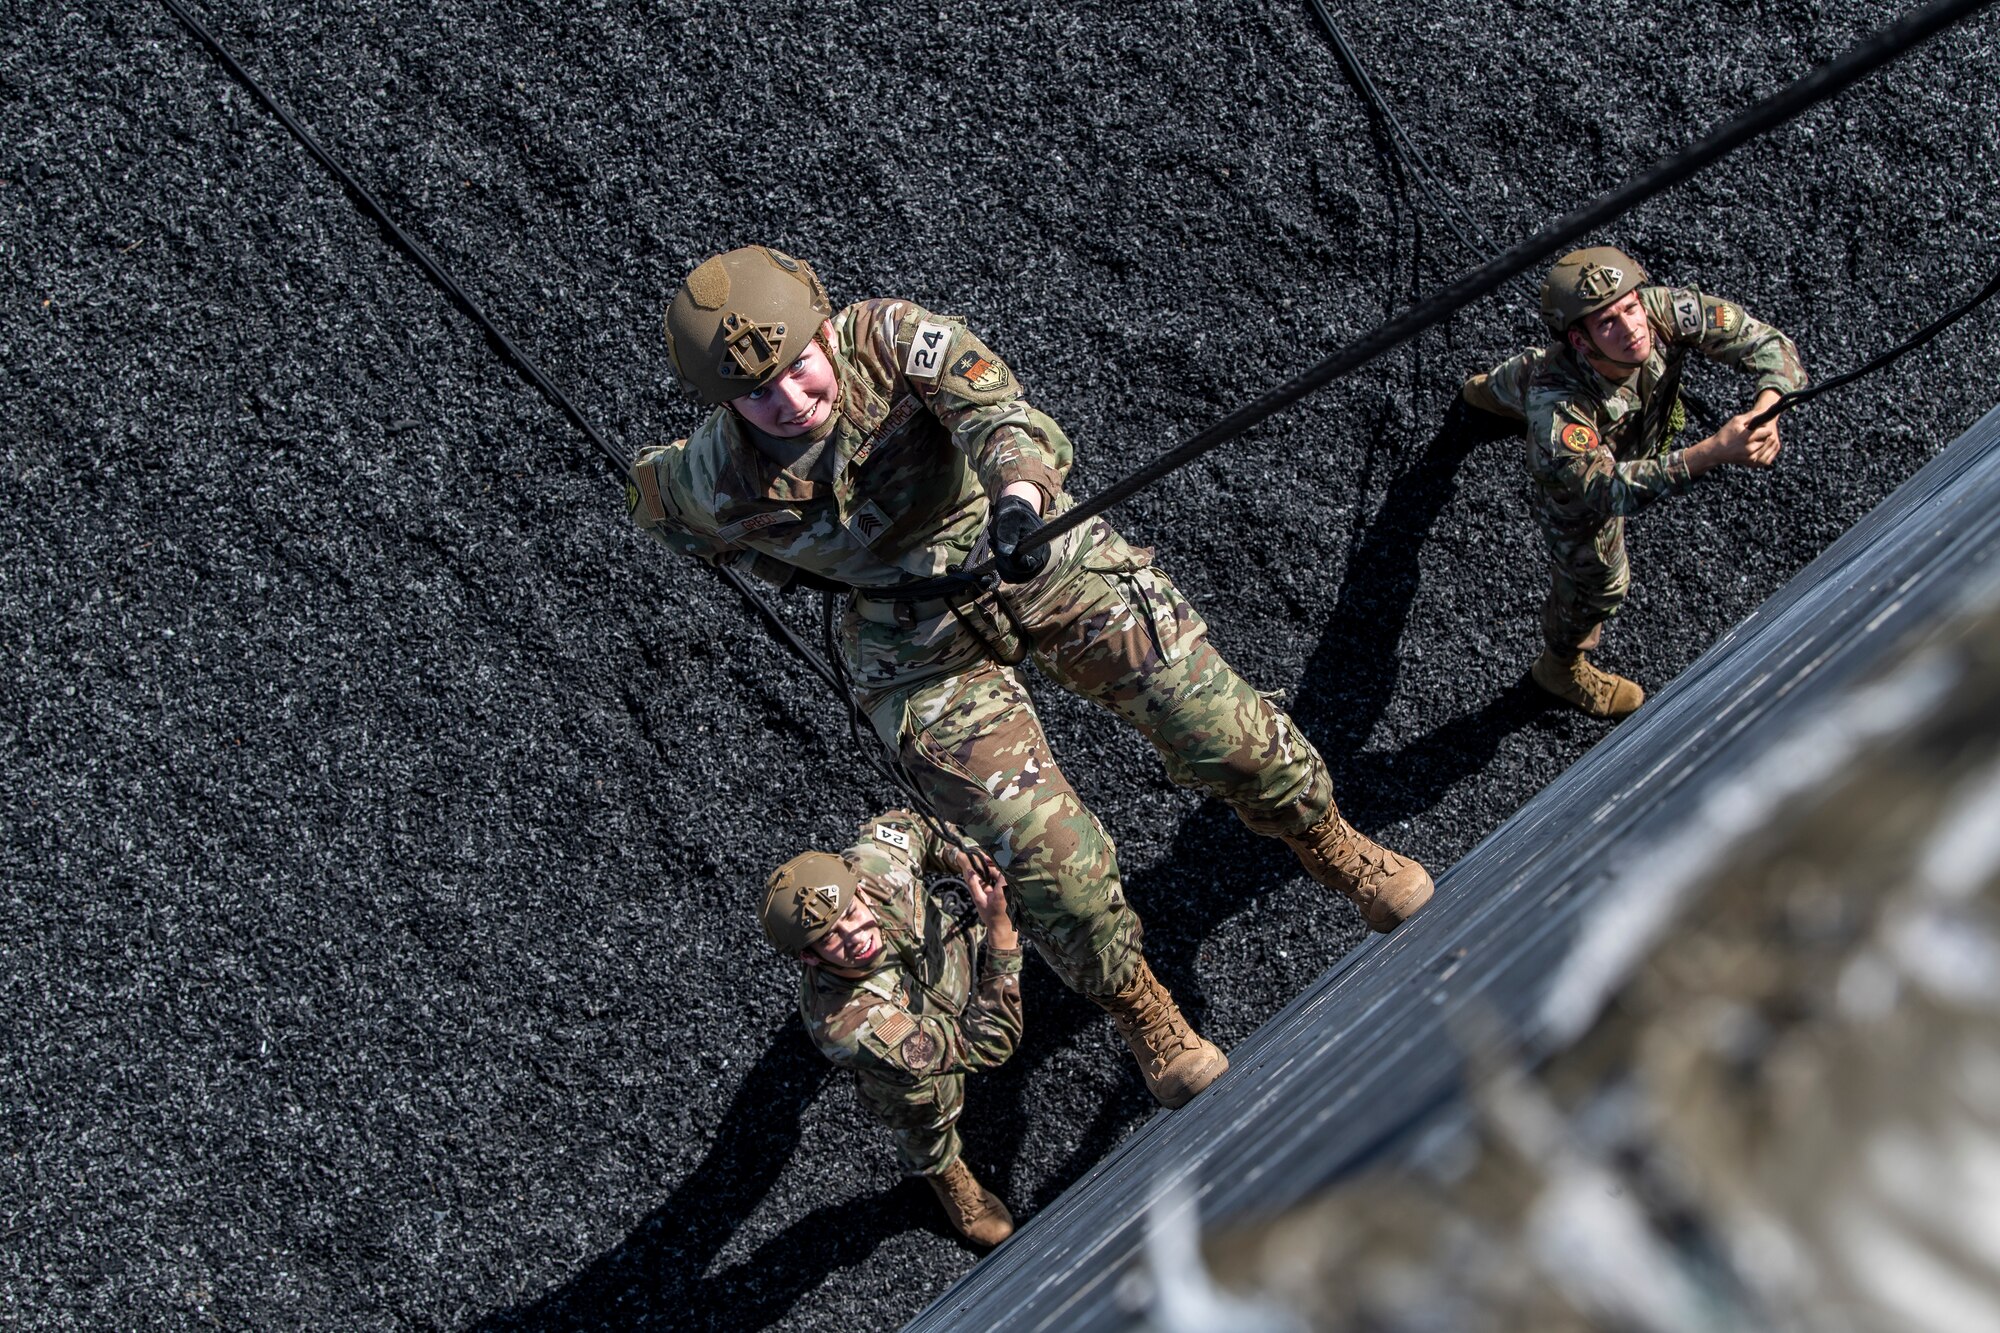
{"points": [[1602, 407], [885, 443]]}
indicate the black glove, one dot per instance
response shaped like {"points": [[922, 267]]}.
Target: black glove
{"points": [[1014, 521]]}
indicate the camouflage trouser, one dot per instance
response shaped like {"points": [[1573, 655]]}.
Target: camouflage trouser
{"points": [[923, 1118], [1591, 576], [1120, 634]]}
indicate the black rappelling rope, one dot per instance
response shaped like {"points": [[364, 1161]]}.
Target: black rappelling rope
{"points": [[1775, 110], [1788, 401], [495, 336], [1479, 245], [1450, 209]]}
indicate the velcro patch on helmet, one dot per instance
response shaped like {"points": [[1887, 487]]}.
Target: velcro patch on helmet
{"points": [[1578, 439], [708, 285]]}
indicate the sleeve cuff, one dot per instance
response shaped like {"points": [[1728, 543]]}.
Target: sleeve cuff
{"points": [[1003, 962]]}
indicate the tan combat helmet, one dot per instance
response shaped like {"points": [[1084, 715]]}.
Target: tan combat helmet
{"points": [[740, 318], [802, 900], [1585, 281]]}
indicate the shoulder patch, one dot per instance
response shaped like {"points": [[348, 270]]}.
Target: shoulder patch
{"points": [[1687, 313], [1722, 317], [927, 349], [982, 373], [1578, 439], [895, 837], [895, 1029]]}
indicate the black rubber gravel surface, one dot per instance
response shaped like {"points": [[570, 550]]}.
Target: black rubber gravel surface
{"points": [[381, 813]]}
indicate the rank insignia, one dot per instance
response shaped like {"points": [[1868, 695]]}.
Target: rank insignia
{"points": [[868, 522], [981, 373], [1578, 439]]}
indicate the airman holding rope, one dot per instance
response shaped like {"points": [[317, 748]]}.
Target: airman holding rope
{"points": [[1602, 405], [886, 444], [890, 990]]}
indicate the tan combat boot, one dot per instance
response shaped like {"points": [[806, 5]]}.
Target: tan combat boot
{"points": [[1175, 1060], [974, 1212], [1571, 678], [1387, 888]]}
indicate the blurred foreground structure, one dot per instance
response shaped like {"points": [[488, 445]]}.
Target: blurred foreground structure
{"points": [[1707, 1037]]}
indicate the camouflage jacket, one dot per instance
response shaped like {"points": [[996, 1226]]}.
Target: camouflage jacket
{"points": [[930, 426], [1597, 448], [923, 1011]]}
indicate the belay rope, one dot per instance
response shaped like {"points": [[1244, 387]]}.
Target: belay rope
{"points": [[1759, 119]]}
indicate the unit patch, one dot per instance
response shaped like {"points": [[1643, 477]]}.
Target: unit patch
{"points": [[895, 837], [981, 373], [1722, 316], [927, 351], [1687, 313], [1578, 439], [920, 1052]]}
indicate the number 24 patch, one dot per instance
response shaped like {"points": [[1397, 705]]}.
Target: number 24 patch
{"points": [[927, 351]]}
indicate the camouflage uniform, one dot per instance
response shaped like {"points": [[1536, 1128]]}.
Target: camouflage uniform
{"points": [[914, 1027], [930, 427], [1597, 449]]}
